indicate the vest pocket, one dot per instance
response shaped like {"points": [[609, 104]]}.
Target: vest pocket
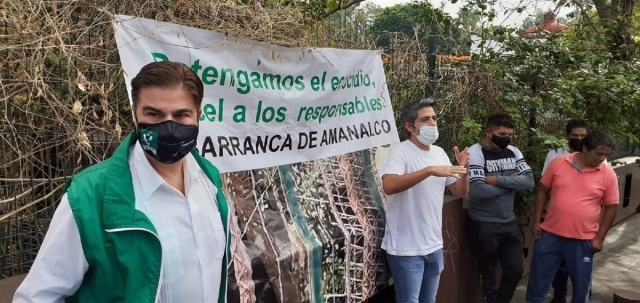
{"points": [[172, 259], [219, 234]]}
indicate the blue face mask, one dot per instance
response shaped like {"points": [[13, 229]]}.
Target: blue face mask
{"points": [[167, 141]]}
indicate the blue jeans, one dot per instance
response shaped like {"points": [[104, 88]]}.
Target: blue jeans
{"points": [[416, 278]]}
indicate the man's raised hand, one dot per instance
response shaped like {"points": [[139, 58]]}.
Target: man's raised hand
{"points": [[448, 171], [462, 156]]}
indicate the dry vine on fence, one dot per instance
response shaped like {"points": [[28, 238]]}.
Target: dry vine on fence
{"points": [[65, 107]]}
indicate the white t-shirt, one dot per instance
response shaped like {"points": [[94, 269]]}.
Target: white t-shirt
{"points": [[555, 153], [414, 216]]}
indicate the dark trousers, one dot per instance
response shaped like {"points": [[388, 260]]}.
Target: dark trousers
{"points": [[548, 253], [493, 242], [560, 284]]}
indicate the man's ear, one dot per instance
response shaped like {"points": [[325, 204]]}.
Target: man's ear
{"points": [[409, 127], [199, 114]]}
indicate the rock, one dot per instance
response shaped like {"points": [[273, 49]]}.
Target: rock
{"points": [[626, 296]]}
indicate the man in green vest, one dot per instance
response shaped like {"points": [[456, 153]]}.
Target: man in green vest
{"points": [[149, 224]]}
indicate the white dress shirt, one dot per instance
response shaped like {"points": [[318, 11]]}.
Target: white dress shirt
{"points": [[189, 227]]}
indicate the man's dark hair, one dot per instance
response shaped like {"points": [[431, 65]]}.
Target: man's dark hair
{"points": [[411, 111], [595, 139], [167, 74], [500, 120], [576, 123]]}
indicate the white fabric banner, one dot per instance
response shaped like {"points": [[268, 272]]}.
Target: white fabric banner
{"points": [[266, 105]]}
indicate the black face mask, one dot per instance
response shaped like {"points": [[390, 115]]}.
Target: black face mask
{"points": [[501, 142], [167, 141], [575, 144]]}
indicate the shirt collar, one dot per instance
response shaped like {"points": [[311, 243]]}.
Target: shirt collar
{"points": [[571, 157], [191, 167], [150, 180]]}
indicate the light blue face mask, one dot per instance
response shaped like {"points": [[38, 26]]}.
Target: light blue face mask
{"points": [[428, 134]]}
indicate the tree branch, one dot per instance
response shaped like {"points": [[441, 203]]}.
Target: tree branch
{"points": [[627, 9], [603, 9], [340, 7], [585, 15]]}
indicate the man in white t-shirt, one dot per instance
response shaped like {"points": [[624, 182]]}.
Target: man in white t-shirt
{"points": [[414, 180], [575, 131]]}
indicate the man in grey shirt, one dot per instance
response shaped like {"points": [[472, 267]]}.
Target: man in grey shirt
{"points": [[497, 170]]}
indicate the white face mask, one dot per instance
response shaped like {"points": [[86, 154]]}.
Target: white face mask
{"points": [[428, 134]]}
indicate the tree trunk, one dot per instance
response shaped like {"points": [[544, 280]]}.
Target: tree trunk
{"points": [[620, 44], [616, 17]]}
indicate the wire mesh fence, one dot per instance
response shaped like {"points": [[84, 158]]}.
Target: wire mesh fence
{"points": [[32, 176], [66, 106]]}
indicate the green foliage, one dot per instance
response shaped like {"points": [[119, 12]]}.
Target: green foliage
{"points": [[543, 83], [561, 78], [417, 21], [470, 19], [319, 9], [470, 132]]}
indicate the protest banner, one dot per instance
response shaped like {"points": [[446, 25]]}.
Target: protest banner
{"points": [[266, 105], [294, 132]]}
